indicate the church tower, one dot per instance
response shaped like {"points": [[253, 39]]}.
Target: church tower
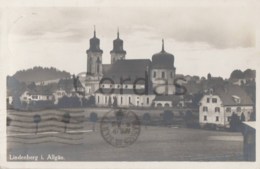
{"points": [[94, 57], [118, 52]]}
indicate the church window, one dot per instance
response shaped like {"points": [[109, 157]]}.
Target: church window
{"points": [[163, 74], [147, 100]]}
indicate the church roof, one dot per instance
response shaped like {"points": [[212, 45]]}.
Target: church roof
{"points": [[125, 69], [129, 67]]}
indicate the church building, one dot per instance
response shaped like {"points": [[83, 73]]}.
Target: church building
{"points": [[129, 82]]}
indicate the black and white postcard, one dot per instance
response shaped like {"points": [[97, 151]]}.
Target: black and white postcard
{"points": [[133, 84]]}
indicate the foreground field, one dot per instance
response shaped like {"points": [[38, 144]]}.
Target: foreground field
{"points": [[153, 144]]}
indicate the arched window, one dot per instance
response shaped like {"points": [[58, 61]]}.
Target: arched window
{"points": [[147, 100], [154, 74], [166, 105], [159, 105]]}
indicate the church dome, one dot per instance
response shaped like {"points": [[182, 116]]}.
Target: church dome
{"points": [[163, 60]]}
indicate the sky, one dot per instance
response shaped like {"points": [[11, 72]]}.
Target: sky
{"points": [[203, 39]]}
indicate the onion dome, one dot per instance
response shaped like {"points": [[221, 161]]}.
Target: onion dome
{"points": [[118, 45], [94, 44], [163, 60]]}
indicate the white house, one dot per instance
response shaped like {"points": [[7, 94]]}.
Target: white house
{"points": [[218, 105], [30, 96]]}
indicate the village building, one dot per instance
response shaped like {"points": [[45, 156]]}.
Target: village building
{"points": [[219, 103], [129, 82]]}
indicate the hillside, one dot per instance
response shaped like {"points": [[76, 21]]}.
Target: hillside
{"points": [[37, 74]]}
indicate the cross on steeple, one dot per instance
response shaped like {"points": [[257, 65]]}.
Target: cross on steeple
{"points": [[162, 45], [94, 31], [117, 33]]}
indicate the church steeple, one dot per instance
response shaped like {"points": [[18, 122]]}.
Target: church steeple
{"points": [[118, 52], [94, 56], [117, 33], [94, 31], [94, 43], [163, 45]]}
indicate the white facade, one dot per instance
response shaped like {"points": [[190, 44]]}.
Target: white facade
{"points": [[212, 110], [27, 97], [124, 100]]}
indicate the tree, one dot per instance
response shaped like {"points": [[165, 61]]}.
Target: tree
{"points": [[249, 74], [93, 119], [243, 118], [36, 119], [209, 76], [252, 116], [91, 101], [66, 120], [8, 121], [235, 123], [189, 119], [167, 117], [119, 116], [146, 119], [115, 102], [237, 74]]}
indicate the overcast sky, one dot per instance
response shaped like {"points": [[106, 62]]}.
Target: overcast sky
{"points": [[202, 39]]}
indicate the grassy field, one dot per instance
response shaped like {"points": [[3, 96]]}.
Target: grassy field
{"points": [[153, 144]]}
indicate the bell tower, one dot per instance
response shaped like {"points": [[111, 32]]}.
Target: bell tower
{"points": [[94, 57], [118, 52]]}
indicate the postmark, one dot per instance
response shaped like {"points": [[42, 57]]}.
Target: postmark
{"points": [[120, 127]]}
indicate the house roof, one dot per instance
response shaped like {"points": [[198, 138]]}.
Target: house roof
{"points": [[227, 94], [42, 90]]}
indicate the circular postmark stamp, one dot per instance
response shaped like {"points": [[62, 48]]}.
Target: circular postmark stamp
{"points": [[120, 127]]}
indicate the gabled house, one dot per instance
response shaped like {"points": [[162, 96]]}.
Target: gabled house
{"points": [[219, 103]]}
